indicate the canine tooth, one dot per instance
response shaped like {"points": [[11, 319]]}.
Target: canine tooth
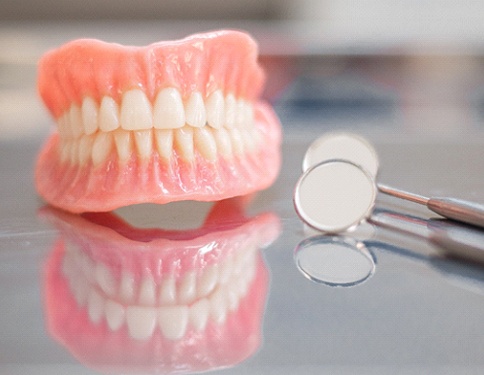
{"points": [[108, 114], [218, 309], [205, 143], [237, 141], [168, 291], [89, 115], [207, 281], [164, 143], [95, 306], [126, 288], [173, 321], [144, 142], [141, 321], [147, 291], [187, 288], [105, 279], [75, 121], [195, 110], [199, 312], [215, 105], [230, 111], [168, 111], [85, 148], [122, 140], [115, 314], [136, 113], [223, 141], [102, 146], [184, 142]]}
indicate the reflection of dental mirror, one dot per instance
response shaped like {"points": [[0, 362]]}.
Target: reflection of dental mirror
{"points": [[357, 150], [334, 195], [334, 261]]}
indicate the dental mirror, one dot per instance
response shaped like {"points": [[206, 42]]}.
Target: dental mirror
{"points": [[334, 261], [334, 196]]}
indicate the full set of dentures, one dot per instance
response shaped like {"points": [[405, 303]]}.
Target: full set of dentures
{"points": [[195, 298], [170, 121]]}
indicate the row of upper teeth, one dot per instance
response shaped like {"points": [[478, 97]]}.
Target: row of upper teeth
{"points": [[168, 111], [185, 141], [172, 319]]}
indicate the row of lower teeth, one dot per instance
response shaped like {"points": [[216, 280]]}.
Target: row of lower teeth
{"points": [[208, 142], [168, 111]]}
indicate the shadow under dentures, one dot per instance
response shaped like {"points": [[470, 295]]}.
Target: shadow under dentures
{"points": [[158, 300]]}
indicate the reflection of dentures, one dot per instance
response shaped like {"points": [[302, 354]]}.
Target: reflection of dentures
{"points": [[119, 296], [182, 119]]}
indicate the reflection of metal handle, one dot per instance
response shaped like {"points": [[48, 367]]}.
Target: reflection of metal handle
{"points": [[457, 209]]}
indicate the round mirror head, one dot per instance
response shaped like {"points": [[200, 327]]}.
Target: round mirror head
{"points": [[334, 261], [345, 146], [334, 196]]}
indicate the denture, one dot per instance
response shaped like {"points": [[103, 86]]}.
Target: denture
{"points": [[156, 300], [178, 120]]}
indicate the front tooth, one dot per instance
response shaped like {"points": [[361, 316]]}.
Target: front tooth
{"points": [[207, 281], [144, 142], [95, 306], [199, 312], [101, 147], [89, 115], [75, 121], [164, 143], [195, 110], [108, 114], [187, 288], [115, 314], [141, 321], [216, 109], [230, 111], [122, 140], [173, 321], [168, 111], [126, 288], [85, 148], [147, 291], [205, 143], [136, 113], [168, 291], [105, 279], [184, 142]]}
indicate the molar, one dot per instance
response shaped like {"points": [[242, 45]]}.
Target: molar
{"points": [[195, 110], [168, 111], [136, 112], [108, 114]]}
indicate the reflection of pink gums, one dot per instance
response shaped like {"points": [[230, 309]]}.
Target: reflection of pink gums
{"points": [[218, 345]]}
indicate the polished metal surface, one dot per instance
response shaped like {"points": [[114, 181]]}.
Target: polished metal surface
{"points": [[417, 313]]}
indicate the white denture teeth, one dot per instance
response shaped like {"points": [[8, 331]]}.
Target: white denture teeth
{"points": [[123, 142], [223, 142], [195, 110], [90, 112], [215, 108], [141, 321], [205, 143], [127, 287], [187, 288], [115, 315], [168, 111], [144, 142], [147, 291], [167, 295], [101, 147], [173, 321], [136, 112], [164, 143], [199, 313], [108, 114], [230, 111], [184, 142], [75, 121]]}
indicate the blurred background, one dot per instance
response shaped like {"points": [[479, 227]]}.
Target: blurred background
{"points": [[385, 65]]}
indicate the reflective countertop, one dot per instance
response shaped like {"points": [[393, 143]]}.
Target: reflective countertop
{"points": [[414, 312]]}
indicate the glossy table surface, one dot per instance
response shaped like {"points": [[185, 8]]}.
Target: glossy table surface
{"points": [[417, 312]]}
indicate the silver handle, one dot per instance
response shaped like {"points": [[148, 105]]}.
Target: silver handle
{"points": [[457, 209]]}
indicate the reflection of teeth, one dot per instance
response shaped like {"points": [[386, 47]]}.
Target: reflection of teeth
{"points": [[168, 111], [135, 111], [195, 111], [171, 304]]}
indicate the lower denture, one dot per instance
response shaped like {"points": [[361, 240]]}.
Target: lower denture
{"points": [[176, 121]]}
